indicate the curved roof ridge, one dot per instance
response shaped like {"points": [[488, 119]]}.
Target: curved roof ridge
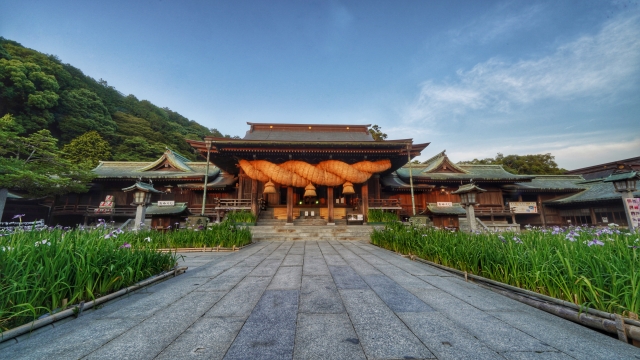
{"points": [[176, 160]]}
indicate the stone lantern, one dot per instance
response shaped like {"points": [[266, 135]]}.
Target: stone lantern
{"points": [[625, 184], [468, 194], [141, 198]]}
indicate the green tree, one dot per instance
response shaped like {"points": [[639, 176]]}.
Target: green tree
{"points": [[33, 165], [138, 149], [376, 132], [82, 111], [536, 164], [88, 149]]}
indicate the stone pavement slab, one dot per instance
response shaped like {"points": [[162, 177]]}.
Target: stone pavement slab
{"points": [[314, 300]]}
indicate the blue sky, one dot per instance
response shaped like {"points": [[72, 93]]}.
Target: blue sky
{"points": [[472, 77]]}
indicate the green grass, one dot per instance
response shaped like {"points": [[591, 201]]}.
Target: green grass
{"points": [[40, 268], [240, 217], [598, 268], [377, 215]]}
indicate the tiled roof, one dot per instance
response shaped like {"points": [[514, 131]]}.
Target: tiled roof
{"points": [[471, 172], [181, 168], [550, 183], [142, 186], [468, 188], [395, 183], [455, 209], [308, 132], [596, 190], [223, 180], [154, 209]]}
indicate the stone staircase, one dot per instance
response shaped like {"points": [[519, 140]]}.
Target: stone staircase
{"points": [[316, 228], [311, 232]]}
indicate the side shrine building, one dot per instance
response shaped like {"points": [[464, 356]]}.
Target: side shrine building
{"points": [[335, 174]]}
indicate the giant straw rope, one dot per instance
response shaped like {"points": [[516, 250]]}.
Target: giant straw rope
{"points": [[300, 174]]}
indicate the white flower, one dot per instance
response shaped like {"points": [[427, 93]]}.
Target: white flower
{"points": [[147, 239], [43, 242], [6, 248]]}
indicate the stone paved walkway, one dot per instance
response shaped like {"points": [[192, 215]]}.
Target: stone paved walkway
{"points": [[316, 300]]}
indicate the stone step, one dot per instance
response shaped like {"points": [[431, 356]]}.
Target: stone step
{"points": [[311, 232]]}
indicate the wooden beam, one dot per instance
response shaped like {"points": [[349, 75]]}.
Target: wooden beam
{"points": [[290, 205], [330, 201], [254, 197], [541, 210], [365, 201]]}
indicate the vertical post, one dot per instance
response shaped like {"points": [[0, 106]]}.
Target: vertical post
{"points": [[541, 210], [254, 197], [365, 202], [140, 214], [594, 220], [330, 200], [628, 195], [290, 205], [376, 184], [4, 192], [413, 202], [240, 184], [206, 179], [471, 218]]}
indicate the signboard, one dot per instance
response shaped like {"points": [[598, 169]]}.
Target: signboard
{"points": [[444, 204], [524, 207], [605, 219], [166, 203], [633, 206], [106, 206]]}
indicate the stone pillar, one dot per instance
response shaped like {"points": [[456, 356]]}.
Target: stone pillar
{"points": [[140, 214], [471, 218], [330, 200], [365, 201], [290, 205], [254, 197]]}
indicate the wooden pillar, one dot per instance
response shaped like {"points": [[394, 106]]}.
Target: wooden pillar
{"points": [[376, 184], [541, 210], [594, 220], [254, 197], [290, 205], [330, 200], [240, 184], [365, 201]]}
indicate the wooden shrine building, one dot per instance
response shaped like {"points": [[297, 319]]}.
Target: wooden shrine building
{"points": [[309, 170]]}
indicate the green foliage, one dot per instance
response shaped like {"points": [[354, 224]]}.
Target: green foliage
{"points": [[240, 217], [40, 268], [88, 148], [42, 93], [376, 132], [538, 164], [376, 215], [34, 165], [586, 266]]}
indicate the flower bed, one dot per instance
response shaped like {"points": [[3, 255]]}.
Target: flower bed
{"points": [[598, 268], [42, 270]]}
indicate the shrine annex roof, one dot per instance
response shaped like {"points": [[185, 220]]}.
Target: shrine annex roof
{"points": [[170, 165], [595, 191], [550, 183]]}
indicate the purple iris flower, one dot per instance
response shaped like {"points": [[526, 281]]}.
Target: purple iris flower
{"points": [[125, 246], [595, 242], [17, 216]]}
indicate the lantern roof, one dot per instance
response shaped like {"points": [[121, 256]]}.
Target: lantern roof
{"points": [[621, 176], [141, 186], [467, 188]]}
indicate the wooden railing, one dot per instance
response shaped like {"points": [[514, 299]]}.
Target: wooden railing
{"points": [[384, 204], [233, 204], [492, 210], [90, 210]]}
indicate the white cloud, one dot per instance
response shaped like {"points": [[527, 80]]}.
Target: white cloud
{"points": [[589, 67]]}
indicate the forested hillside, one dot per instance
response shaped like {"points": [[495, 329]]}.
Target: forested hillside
{"points": [[41, 92]]}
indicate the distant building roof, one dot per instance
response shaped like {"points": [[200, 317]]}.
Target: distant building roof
{"points": [[441, 169], [596, 190], [170, 165], [307, 132], [223, 180], [550, 183], [154, 209], [393, 182], [603, 170]]}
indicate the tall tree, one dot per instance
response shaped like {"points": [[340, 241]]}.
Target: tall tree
{"points": [[536, 164], [33, 165], [377, 134], [88, 149]]}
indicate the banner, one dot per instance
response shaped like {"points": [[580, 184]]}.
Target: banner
{"points": [[524, 207], [633, 206]]}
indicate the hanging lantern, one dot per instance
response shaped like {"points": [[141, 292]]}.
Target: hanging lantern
{"points": [[269, 188], [310, 191], [347, 188]]}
